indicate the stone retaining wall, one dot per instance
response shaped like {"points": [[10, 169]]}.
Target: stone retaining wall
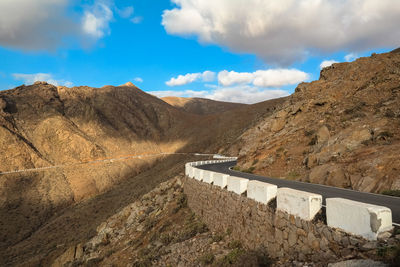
{"points": [[258, 225]]}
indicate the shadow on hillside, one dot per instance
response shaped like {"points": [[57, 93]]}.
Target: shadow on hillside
{"points": [[62, 227]]}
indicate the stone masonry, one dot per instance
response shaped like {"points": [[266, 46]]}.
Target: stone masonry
{"points": [[258, 225]]}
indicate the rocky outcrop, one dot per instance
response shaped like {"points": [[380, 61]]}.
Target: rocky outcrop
{"points": [[340, 130], [158, 230]]}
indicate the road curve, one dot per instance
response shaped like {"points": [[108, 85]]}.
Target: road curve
{"points": [[326, 191]]}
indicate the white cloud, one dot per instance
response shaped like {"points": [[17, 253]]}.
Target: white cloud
{"points": [[138, 79], [206, 76], [183, 93], [96, 20], [282, 32], [39, 24], [239, 94], [326, 63], [137, 19], [227, 78], [125, 12], [46, 77], [263, 78], [350, 57]]}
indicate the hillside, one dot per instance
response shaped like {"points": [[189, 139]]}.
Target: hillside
{"points": [[44, 125], [200, 106], [341, 130]]}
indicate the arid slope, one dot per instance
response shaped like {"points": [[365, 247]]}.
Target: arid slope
{"points": [[200, 106], [43, 125], [341, 130]]}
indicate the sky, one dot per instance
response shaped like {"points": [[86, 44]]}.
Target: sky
{"points": [[230, 50]]}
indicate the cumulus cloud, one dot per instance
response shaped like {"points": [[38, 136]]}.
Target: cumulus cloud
{"points": [[46, 77], [239, 94], [96, 20], [285, 31], [47, 24], [138, 79], [326, 63], [206, 76], [39, 24], [350, 57], [263, 78]]}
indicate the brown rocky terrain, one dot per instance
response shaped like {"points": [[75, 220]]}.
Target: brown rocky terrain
{"points": [[341, 130], [200, 106], [77, 129]]}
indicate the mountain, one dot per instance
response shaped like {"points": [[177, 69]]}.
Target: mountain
{"points": [[82, 133], [341, 130], [200, 106]]}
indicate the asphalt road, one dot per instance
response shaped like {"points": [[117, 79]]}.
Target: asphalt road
{"points": [[326, 191]]}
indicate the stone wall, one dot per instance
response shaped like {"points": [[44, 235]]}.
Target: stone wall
{"points": [[258, 225]]}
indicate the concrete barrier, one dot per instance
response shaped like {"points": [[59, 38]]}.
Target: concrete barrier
{"points": [[220, 179], [191, 172], [208, 176], [358, 218], [299, 203], [237, 185], [187, 166], [261, 192], [198, 174]]}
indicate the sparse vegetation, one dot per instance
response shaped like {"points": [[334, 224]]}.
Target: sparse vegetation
{"points": [[313, 140], [393, 193], [206, 259], [230, 258], [292, 175], [192, 227]]}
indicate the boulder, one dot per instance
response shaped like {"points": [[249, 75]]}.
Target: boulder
{"points": [[323, 135], [329, 174]]}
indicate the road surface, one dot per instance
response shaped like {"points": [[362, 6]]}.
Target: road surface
{"points": [[326, 191]]}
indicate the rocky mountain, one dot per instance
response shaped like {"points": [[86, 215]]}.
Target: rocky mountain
{"points": [[82, 133], [200, 106], [341, 130]]}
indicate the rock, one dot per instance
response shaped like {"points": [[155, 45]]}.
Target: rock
{"points": [[66, 257], [357, 137], [384, 236], [324, 244], [278, 124], [278, 236], [369, 245], [358, 263], [323, 135], [301, 232], [40, 83], [330, 174], [292, 239], [3, 104], [79, 251]]}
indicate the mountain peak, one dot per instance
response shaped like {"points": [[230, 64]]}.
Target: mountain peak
{"points": [[129, 84]]}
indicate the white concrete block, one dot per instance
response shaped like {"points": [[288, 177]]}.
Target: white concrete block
{"points": [[208, 177], [358, 218], [220, 179], [237, 185], [191, 172], [198, 174], [261, 192], [299, 203], [187, 168]]}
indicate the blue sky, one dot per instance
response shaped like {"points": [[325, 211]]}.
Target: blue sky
{"points": [[242, 51]]}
